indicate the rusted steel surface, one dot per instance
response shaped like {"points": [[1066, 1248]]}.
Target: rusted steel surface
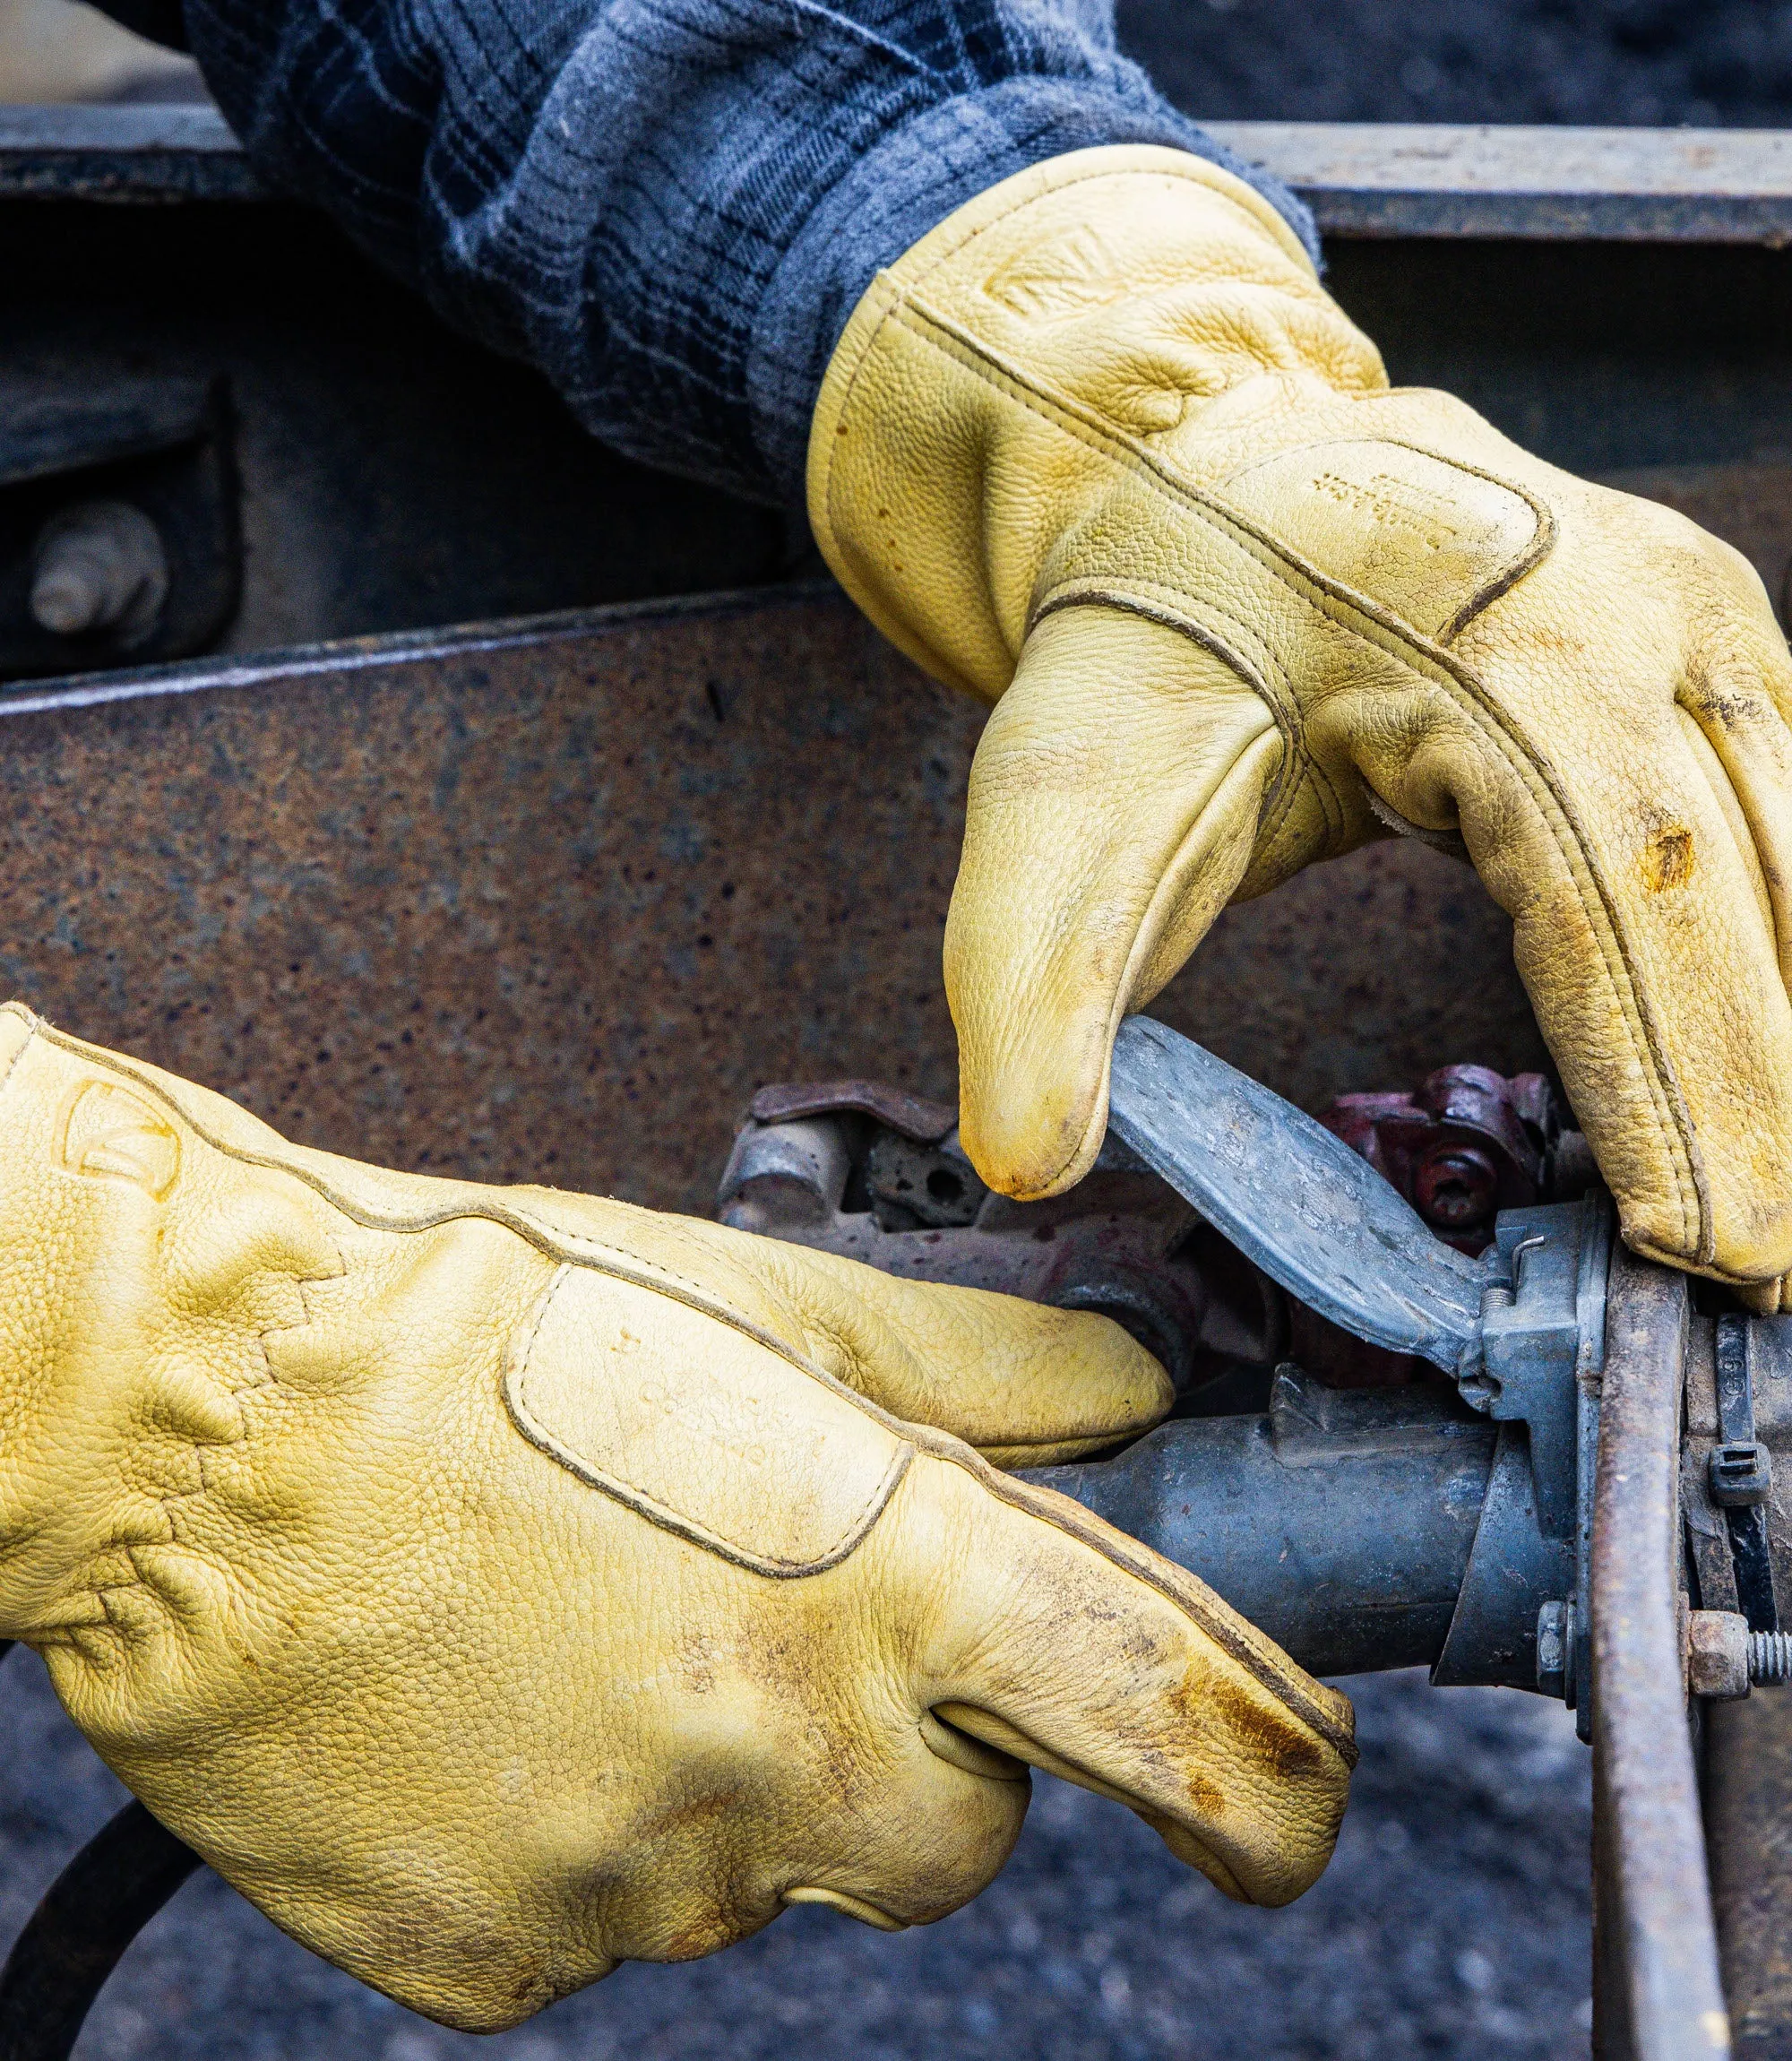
{"points": [[549, 899], [1359, 178], [1657, 1993]]}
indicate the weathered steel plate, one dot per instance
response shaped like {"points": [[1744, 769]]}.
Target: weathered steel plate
{"points": [[550, 899], [1550, 183], [148, 154], [1359, 178]]}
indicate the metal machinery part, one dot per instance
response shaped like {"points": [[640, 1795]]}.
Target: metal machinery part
{"points": [[119, 532], [1365, 1510], [73, 1940], [753, 776], [100, 565], [1539, 1467]]}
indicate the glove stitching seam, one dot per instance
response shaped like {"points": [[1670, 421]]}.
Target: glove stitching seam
{"points": [[939, 332], [1542, 543], [1172, 612], [33, 1028], [1281, 704], [644, 1504], [201, 1448], [1542, 537], [1220, 1629], [1221, 188]]}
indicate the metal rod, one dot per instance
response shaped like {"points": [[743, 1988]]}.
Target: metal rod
{"points": [[1657, 1996], [1340, 1523], [77, 1936]]}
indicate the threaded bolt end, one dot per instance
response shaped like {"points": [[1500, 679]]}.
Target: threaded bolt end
{"points": [[1769, 1656]]}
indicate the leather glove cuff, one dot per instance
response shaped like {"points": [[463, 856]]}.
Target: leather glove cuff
{"points": [[1109, 288]]}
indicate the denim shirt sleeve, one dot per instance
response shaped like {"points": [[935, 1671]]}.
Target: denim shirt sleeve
{"points": [[669, 206]]}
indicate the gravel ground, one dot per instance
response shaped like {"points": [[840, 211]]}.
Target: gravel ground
{"points": [[1454, 1922]]}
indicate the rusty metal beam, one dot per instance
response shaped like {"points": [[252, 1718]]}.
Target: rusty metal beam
{"points": [[1360, 178], [1656, 1989], [549, 899], [1748, 1810]]}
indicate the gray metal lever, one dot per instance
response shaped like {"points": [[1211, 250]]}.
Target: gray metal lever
{"points": [[1316, 1218], [1514, 1328]]}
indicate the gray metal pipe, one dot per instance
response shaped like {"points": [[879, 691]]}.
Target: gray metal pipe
{"points": [[1341, 1523]]}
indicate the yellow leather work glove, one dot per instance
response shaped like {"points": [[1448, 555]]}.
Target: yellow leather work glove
{"points": [[495, 1583], [1101, 446]]}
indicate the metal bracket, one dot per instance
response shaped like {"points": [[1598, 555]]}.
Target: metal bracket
{"points": [[1543, 1341], [1531, 1344], [1515, 1566]]}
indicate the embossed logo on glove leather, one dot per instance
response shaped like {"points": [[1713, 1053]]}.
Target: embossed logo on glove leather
{"points": [[698, 1426], [108, 1130], [1077, 271], [1430, 540]]}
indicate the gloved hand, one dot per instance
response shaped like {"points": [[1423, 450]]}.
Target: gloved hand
{"points": [[495, 1584], [1101, 450]]}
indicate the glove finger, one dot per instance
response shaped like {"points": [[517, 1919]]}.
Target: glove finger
{"points": [[1052, 1637], [1024, 1384], [923, 1824], [1738, 693], [1115, 801], [1643, 860]]}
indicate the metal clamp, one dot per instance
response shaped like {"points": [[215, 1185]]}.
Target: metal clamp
{"points": [[1740, 1475]]}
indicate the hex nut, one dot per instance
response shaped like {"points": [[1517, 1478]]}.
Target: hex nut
{"points": [[1717, 1655], [1456, 1187]]}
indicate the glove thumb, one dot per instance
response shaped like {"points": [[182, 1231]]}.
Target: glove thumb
{"points": [[1115, 803]]}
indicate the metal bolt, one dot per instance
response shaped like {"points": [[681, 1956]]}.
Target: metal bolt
{"points": [[782, 1177], [1556, 1649], [1456, 1187], [1717, 1655], [99, 566], [1724, 1659]]}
